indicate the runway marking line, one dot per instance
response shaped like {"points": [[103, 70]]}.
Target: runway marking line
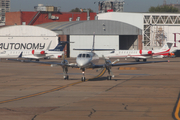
{"points": [[52, 90], [128, 68], [176, 111]]}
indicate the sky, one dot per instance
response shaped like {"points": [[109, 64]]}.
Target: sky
{"points": [[67, 5]]}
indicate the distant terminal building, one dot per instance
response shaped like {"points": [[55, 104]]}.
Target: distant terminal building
{"points": [[41, 7], [111, 6], [45, 14], [4, 7], [177, 5]]}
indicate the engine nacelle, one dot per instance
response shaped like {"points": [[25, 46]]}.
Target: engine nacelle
{"points": [[38, 52], [65, 62], [150, 52]]}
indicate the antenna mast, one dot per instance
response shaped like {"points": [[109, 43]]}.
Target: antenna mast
{"points": [[164, 2]]}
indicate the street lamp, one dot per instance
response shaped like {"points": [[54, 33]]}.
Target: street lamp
{"points": [[88, 17]]}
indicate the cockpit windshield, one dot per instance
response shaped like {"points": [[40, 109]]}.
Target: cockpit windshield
{"points": [[84, 56]]}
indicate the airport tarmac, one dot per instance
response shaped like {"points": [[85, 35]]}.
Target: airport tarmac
{"points": [[30, 91]]}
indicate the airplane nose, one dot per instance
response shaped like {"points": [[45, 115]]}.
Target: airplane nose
{"points": [[82, 62]]}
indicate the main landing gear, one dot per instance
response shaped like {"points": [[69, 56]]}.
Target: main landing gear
{"points": [[83, 72], [65, 75], [109, 72], [137, 59]]}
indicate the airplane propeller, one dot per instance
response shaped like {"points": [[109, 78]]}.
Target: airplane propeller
{"points": [[65, 67], [107, 65]]}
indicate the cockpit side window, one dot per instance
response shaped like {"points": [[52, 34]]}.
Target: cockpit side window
{"points": [[112, 51], [79, 55], [87, 55]]}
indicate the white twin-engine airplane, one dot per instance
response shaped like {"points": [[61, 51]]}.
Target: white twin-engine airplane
{"points": [[141, 54], [87, 60], [35, 54]]}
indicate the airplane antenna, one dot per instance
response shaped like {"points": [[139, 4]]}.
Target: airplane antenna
{"points": [[164, 2]]}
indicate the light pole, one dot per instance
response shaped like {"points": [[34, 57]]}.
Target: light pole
{"points": [[88, 17]]}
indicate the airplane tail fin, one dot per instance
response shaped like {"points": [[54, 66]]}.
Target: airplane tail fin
{"points": [[168, 45], [20, 56], [60, 46]]}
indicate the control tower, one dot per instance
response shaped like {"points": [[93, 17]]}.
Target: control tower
{"points": [[111, 6]]}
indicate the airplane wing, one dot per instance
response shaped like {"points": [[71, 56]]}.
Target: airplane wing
{"points": [[50, 63], [94, 66], [31, 57], [142, 57], [123, 64]]}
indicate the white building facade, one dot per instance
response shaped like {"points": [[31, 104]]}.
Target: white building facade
{"points": [[25, 37], [156, 27]]}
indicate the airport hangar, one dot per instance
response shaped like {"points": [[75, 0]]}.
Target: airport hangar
{"points": [[108, 35]]}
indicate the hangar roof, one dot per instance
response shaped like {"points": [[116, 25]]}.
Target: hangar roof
{"points": [[25, 30], [99, 27]]}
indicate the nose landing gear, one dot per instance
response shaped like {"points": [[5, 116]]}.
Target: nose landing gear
{"points": [[83, 72]]}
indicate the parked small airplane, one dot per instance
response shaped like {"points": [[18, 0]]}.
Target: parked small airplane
{"points": [[35, 54], [141, 54], [87, 60]]}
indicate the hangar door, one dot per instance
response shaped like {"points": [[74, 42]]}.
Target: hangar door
{"points": [[86, 41], [128, 42]]}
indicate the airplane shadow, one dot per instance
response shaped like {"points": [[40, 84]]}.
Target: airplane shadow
{"points": [[103, 79], [174, 61], [98, 79]]}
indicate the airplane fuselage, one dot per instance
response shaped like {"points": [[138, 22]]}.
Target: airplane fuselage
{"points": [[13, 53], [136, 54], [87, 60], [28, 54]]}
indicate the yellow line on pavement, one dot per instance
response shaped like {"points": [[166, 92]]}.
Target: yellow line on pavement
{"points": [[176, 112], [128, 68], [52, 90]]}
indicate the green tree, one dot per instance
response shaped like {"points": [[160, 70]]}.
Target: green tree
{"points": [[75, 10], [79, 10], [163, 9]]}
